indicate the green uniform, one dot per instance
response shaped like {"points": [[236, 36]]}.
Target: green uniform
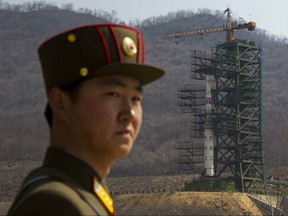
{"points": [[64, 185]]}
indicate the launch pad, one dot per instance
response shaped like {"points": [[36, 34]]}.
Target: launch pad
{"points": [[225, 105], [210, 184]]}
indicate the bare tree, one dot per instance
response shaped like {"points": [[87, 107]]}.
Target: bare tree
{"points": [[284, 131]]}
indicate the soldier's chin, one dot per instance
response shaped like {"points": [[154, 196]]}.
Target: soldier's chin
{"points": [[123, 151]]}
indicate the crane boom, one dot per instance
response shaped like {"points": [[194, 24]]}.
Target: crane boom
{"points": [[230, 27], [191, 33]]}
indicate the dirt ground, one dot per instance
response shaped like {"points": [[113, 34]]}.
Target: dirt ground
{"points": [[186, 203], [179, 203], [154, 195]]}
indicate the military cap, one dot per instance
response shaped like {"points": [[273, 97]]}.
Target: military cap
{"points": [[100, 49]]}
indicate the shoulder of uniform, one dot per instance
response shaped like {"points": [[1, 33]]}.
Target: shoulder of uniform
{"points": [[53, 187], [50, 191], [52, 197]]}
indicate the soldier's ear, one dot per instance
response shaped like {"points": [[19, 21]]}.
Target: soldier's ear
{"points": [[59, 103]]}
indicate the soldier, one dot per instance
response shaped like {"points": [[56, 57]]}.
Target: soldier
{"points": [[93, 77]]}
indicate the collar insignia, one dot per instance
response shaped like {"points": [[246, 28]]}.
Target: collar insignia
{"points": [[103, 195]]}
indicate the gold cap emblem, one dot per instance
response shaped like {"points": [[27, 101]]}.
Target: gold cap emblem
{"points": [[83, 71], [71, 38], [129, 47]]}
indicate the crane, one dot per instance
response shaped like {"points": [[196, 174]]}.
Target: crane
{"points": [[230, 27]]}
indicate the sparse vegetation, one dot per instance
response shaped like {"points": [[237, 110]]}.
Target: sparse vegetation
{"points": [[24, 132]]}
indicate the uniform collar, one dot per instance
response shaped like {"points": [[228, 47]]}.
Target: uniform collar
{"points": [[72, 166]]}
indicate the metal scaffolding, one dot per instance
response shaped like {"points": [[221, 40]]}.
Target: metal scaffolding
{"points": [[236, 116], [190, 156]]}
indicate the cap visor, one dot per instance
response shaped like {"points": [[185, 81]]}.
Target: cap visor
{"points": [[145, 73]]}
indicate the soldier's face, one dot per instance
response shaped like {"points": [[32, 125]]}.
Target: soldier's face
{"points": [[106, 117]]}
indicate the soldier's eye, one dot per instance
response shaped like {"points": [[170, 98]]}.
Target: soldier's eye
{"points": [[114, 94]]}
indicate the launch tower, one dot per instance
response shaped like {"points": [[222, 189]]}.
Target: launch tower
{"points": [[227, 113]]}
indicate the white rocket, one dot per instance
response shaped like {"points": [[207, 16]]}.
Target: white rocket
{"points": [[208, 131]]}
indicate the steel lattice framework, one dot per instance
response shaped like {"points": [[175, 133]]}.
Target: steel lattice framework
{"points": [[236, 117]]}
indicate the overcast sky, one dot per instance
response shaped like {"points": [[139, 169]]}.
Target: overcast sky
{"points": [[268, 14]]}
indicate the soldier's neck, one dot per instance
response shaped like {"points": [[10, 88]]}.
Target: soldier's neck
{"points": [[60, 139]]}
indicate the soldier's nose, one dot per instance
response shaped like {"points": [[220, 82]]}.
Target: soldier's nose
{"points": [[127, 115]]}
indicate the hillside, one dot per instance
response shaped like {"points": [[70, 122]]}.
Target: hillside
{"points": [[24, 132]]}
